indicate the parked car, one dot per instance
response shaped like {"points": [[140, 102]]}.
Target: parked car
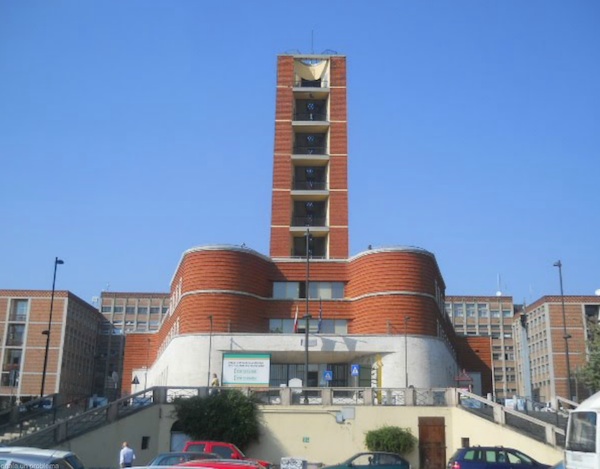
{"points": [[496, 457], [71, 458], [28, 460], [223, 449], [378, 459], [222, 464], [177, 457]]}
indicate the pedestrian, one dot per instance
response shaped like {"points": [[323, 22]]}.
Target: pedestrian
{"points": [[126, 456], [214, 383]]}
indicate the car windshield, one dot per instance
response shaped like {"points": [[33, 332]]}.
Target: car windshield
{"points": [[74, 461], [582, 432]]}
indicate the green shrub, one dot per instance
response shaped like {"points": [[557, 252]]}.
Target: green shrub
{"points": [[392, 439], [226, 416]]}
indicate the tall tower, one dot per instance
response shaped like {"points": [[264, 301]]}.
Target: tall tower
{"points": [[310, 164]]}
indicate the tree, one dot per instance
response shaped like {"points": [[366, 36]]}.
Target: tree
{"points": [[225, 416], [392, 439], [590, 373]]}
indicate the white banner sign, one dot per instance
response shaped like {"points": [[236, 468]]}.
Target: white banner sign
{"points": [[246, 369]]}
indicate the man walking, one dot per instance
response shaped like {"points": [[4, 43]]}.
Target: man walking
{"points": [[126, 456]]}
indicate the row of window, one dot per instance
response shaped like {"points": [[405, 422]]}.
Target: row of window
{"points": [[316, 326], [132, 309], [317, 290], [507, 378], [471, 310]]}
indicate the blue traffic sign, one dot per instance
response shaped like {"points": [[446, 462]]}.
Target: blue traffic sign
{"points": [[355, 369], [328, 375]]}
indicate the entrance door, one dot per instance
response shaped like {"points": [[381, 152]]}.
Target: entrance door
{"points": [[432, 442]]}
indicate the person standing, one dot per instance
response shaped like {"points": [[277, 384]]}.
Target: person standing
{"points": [[126, 456], [214, 383]]}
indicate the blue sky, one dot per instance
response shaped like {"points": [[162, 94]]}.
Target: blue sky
{"points": [[131, 131]]}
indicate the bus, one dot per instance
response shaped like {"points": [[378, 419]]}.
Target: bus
{"points": [[582, 448]]}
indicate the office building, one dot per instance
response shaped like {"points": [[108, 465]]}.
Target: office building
{"points": [[74, 354], [365, 313], [489, 316], [544, 332]]}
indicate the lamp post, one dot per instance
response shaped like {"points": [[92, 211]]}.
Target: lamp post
{"points": [[147, 364], [307, 316], [406, 319], [566, 336], [57, 262], [210, 318]]}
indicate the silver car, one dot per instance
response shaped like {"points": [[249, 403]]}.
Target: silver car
{"points": [[27, 461]]}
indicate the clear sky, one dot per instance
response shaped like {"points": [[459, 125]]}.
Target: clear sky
{"points": [[133, 130]]}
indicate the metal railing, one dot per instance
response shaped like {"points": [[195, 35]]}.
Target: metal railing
{"points": [[310, 185], [309, 221], [52, 428], [534, 424], [311, 83], [310, 116], [310, 150]]}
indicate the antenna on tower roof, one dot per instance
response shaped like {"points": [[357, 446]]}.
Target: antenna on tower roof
{"points": [[498, 290], [312, 41]]}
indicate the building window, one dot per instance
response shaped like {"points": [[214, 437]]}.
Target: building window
{"points": [[470, 310], [106, 309], [286, 290], [130, 310], [459, 310], [482, 311], [143, 310], [14, 336], [326, 290], [154, 310], [11, 367], [118, 309], [507, 313], [19, 310], [495, 313]]}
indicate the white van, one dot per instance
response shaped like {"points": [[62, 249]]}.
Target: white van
{"points": [[582, 448]]}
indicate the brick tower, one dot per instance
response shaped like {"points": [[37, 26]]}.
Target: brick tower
{"points": [[310, 164]]}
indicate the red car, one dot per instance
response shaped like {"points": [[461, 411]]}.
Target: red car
{"points": [[223, 449]]}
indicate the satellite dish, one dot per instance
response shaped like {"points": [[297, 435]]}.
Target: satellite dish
{"points": [[597, 292], [498, 293]]}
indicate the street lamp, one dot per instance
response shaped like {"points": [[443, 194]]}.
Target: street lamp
{"points": [[210, 318], [406, 319], [147, 364], [57, 262], [307, 316], [566, 336]]}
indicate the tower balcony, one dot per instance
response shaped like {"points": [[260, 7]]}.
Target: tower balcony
{"points": [[310, 142], [309, 186], [308, 221], [310, 116], [310, 150], [302, 85]]}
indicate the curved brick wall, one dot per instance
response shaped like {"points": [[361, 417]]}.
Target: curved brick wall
{"points": [[382, 287], [388, 285], [232, 284]]}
